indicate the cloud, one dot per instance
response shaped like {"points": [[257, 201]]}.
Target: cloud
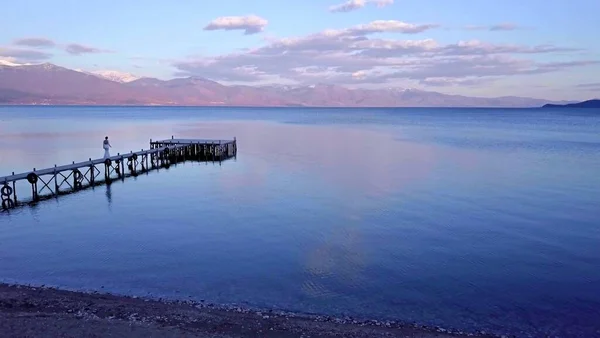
{"points": [[558, 66], [244, 73], [383, 3], [34, 42], [388, 48], [77, 49], [481, 48], [341, 39], [21, 55], [391, 26], [506, 26], [352, 5], [250, 24], [589, 86], [352, 56], [452, 82], [480, 66]]}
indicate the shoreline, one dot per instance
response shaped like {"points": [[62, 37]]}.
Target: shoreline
{"points": [[261, 106], [45, 311]]}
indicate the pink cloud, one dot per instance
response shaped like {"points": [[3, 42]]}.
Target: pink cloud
{"points": [[35, 42], [250, 24], [351, 56], [352, 5], [78, 49]]}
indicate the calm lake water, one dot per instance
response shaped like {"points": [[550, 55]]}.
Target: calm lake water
{"points": [[478, 219]]}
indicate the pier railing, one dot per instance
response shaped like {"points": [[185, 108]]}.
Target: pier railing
{"points": [[69, 178]]}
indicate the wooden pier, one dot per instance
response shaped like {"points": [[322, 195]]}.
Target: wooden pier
{"points": [[76, 176]]}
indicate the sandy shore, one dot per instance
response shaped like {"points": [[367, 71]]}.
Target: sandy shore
{"points": [[46, 312]]}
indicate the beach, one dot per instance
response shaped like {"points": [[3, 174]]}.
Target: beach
{"points": [[27, 311]]}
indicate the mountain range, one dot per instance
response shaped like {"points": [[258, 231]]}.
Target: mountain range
{"points": [[49, 84]]}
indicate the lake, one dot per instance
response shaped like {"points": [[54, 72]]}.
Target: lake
{"points": [[477, 219]]}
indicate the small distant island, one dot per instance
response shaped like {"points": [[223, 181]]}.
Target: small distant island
{"points": [[585, 104]]}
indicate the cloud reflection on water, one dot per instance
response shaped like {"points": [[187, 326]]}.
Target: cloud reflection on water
{"points": [[346, 158], [366, 163]]}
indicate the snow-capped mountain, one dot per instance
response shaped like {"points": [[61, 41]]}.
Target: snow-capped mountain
{"points": [[51, 84], [115, 76]]}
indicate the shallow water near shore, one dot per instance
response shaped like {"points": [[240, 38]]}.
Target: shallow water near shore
{"points": [[478, 219]]}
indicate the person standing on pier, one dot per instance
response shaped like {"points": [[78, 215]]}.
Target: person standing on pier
{"points": [[106, 145]]}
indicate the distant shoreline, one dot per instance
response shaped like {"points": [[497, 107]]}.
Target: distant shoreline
{"points": [[261, 107], [589, 104], [43, 311]]}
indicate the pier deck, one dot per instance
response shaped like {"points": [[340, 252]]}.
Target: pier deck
{"points": [[78, 175]]}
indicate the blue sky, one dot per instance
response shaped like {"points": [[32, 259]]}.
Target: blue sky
{"points": [[539, 48]]}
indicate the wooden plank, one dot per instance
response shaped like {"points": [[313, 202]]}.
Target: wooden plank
{"points": [[193, 141]]}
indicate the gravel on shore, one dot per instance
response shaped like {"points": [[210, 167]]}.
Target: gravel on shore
{"points": [[27, 311]]}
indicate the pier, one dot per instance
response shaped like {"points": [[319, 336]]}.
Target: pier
{"points": [[72, 177]]}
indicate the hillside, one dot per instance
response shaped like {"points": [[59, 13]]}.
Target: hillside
{"points": [[585, 104], [52, 85]]}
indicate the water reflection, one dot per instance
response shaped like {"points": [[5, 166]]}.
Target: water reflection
{"points": [[109, 194], [365, 161], [336, 264], [327, 219]]}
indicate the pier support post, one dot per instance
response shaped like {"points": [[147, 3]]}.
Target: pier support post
{"points": [[54, 173], [121, 166], [14, 190], [107, 165], [92, 172], [118, 167]]}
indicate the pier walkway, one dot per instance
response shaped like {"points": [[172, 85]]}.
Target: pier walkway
{"points": [[76, 176]]}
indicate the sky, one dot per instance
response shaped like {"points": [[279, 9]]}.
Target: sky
{"points": [[536, 48]]}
